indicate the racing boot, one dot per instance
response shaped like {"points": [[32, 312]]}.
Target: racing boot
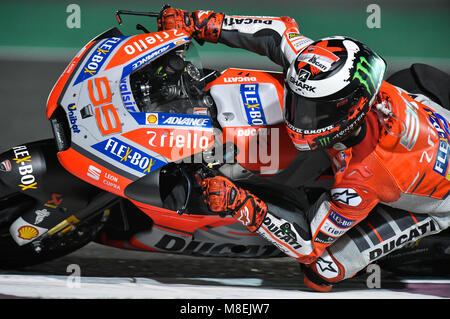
{"points": [[222, 196], [313, 281]]}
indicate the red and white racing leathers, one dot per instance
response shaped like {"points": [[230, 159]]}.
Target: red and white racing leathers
{"points": [[401, 163]]}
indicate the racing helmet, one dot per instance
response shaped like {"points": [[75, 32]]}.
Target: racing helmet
{"points": [[331, 86]]}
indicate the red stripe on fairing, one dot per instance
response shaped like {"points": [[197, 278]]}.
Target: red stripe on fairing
{"points": [[52, 101]]}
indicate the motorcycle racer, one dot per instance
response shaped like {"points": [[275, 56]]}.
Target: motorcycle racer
{"points": [[387, 146]]}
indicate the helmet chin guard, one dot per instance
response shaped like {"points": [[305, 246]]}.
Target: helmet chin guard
{"points": [[331, 86]]}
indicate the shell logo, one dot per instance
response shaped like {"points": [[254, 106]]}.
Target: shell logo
{"points": [[28, 232], [152, 118]]}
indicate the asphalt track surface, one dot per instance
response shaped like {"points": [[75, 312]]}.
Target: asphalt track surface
{"points": [[263, 278], [24, 87]]}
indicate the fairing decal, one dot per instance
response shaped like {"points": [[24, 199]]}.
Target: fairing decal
{"points": [[95, 62], [128, 155], [93, 172], [58, 89]]}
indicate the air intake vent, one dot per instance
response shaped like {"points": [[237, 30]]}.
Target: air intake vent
{"points": [[61, 129]]}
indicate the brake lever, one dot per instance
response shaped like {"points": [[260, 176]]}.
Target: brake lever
{"points": [[142, 28]]}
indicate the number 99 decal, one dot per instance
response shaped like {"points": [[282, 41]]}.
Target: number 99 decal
{"points": [[105, 112]]}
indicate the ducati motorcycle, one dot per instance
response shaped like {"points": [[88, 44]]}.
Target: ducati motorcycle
{"points": [[137, 122]]}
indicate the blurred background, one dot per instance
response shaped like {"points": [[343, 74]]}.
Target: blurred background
{"points": [[39, 38]]}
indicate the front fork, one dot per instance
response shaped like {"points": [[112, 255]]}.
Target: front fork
{"points": [[58, 200]]}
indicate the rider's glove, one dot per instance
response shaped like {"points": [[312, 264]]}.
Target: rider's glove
{"points": [[172, 18], [222, 196], [202, 25]]}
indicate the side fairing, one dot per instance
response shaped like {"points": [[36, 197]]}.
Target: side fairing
{"points": [[250, 111], [248, 98]]}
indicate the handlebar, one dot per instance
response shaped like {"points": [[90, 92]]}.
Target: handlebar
{"points": [[135, 13]]}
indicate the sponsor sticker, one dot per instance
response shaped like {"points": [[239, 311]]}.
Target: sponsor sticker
{"points": [[300, 43], [128, 155], [318, 57], [200, 111], [442, 156], [339, 220], [172, 143], [326, 266], [441, 162], [252, 104], [23, 232], [299, 83], [409, 235], [152, 55], [94, 172], [239, 79], [244, 216], [27, 232], [293, 35], [232, 21], [73, 118], [98, 58], [339, 162], [107, 178], [173, 119], [141, 44], [23, 161], [152, 118], [127, 96], [333, 227], [5, 166], [323, 238], [55, 201], [184, 120], [303, 75], [41, 215]]}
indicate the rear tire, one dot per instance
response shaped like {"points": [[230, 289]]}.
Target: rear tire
{"points": [[429, 256]]}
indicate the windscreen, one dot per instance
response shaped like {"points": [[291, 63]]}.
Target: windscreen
{"points": [[173, 83]]}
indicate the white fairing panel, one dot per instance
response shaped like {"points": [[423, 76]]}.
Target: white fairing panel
{"points": [[254, 104]]}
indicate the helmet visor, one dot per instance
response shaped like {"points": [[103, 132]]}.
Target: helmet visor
{"points": [[307, 115]]}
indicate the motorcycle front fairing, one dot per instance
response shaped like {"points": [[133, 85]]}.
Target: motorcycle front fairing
{"points": [[110, 137]]}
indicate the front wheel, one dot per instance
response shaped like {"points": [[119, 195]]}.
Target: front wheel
{"points": [[13, 256]]}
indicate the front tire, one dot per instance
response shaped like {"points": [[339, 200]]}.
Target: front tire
{"points": [[13, 256]]}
